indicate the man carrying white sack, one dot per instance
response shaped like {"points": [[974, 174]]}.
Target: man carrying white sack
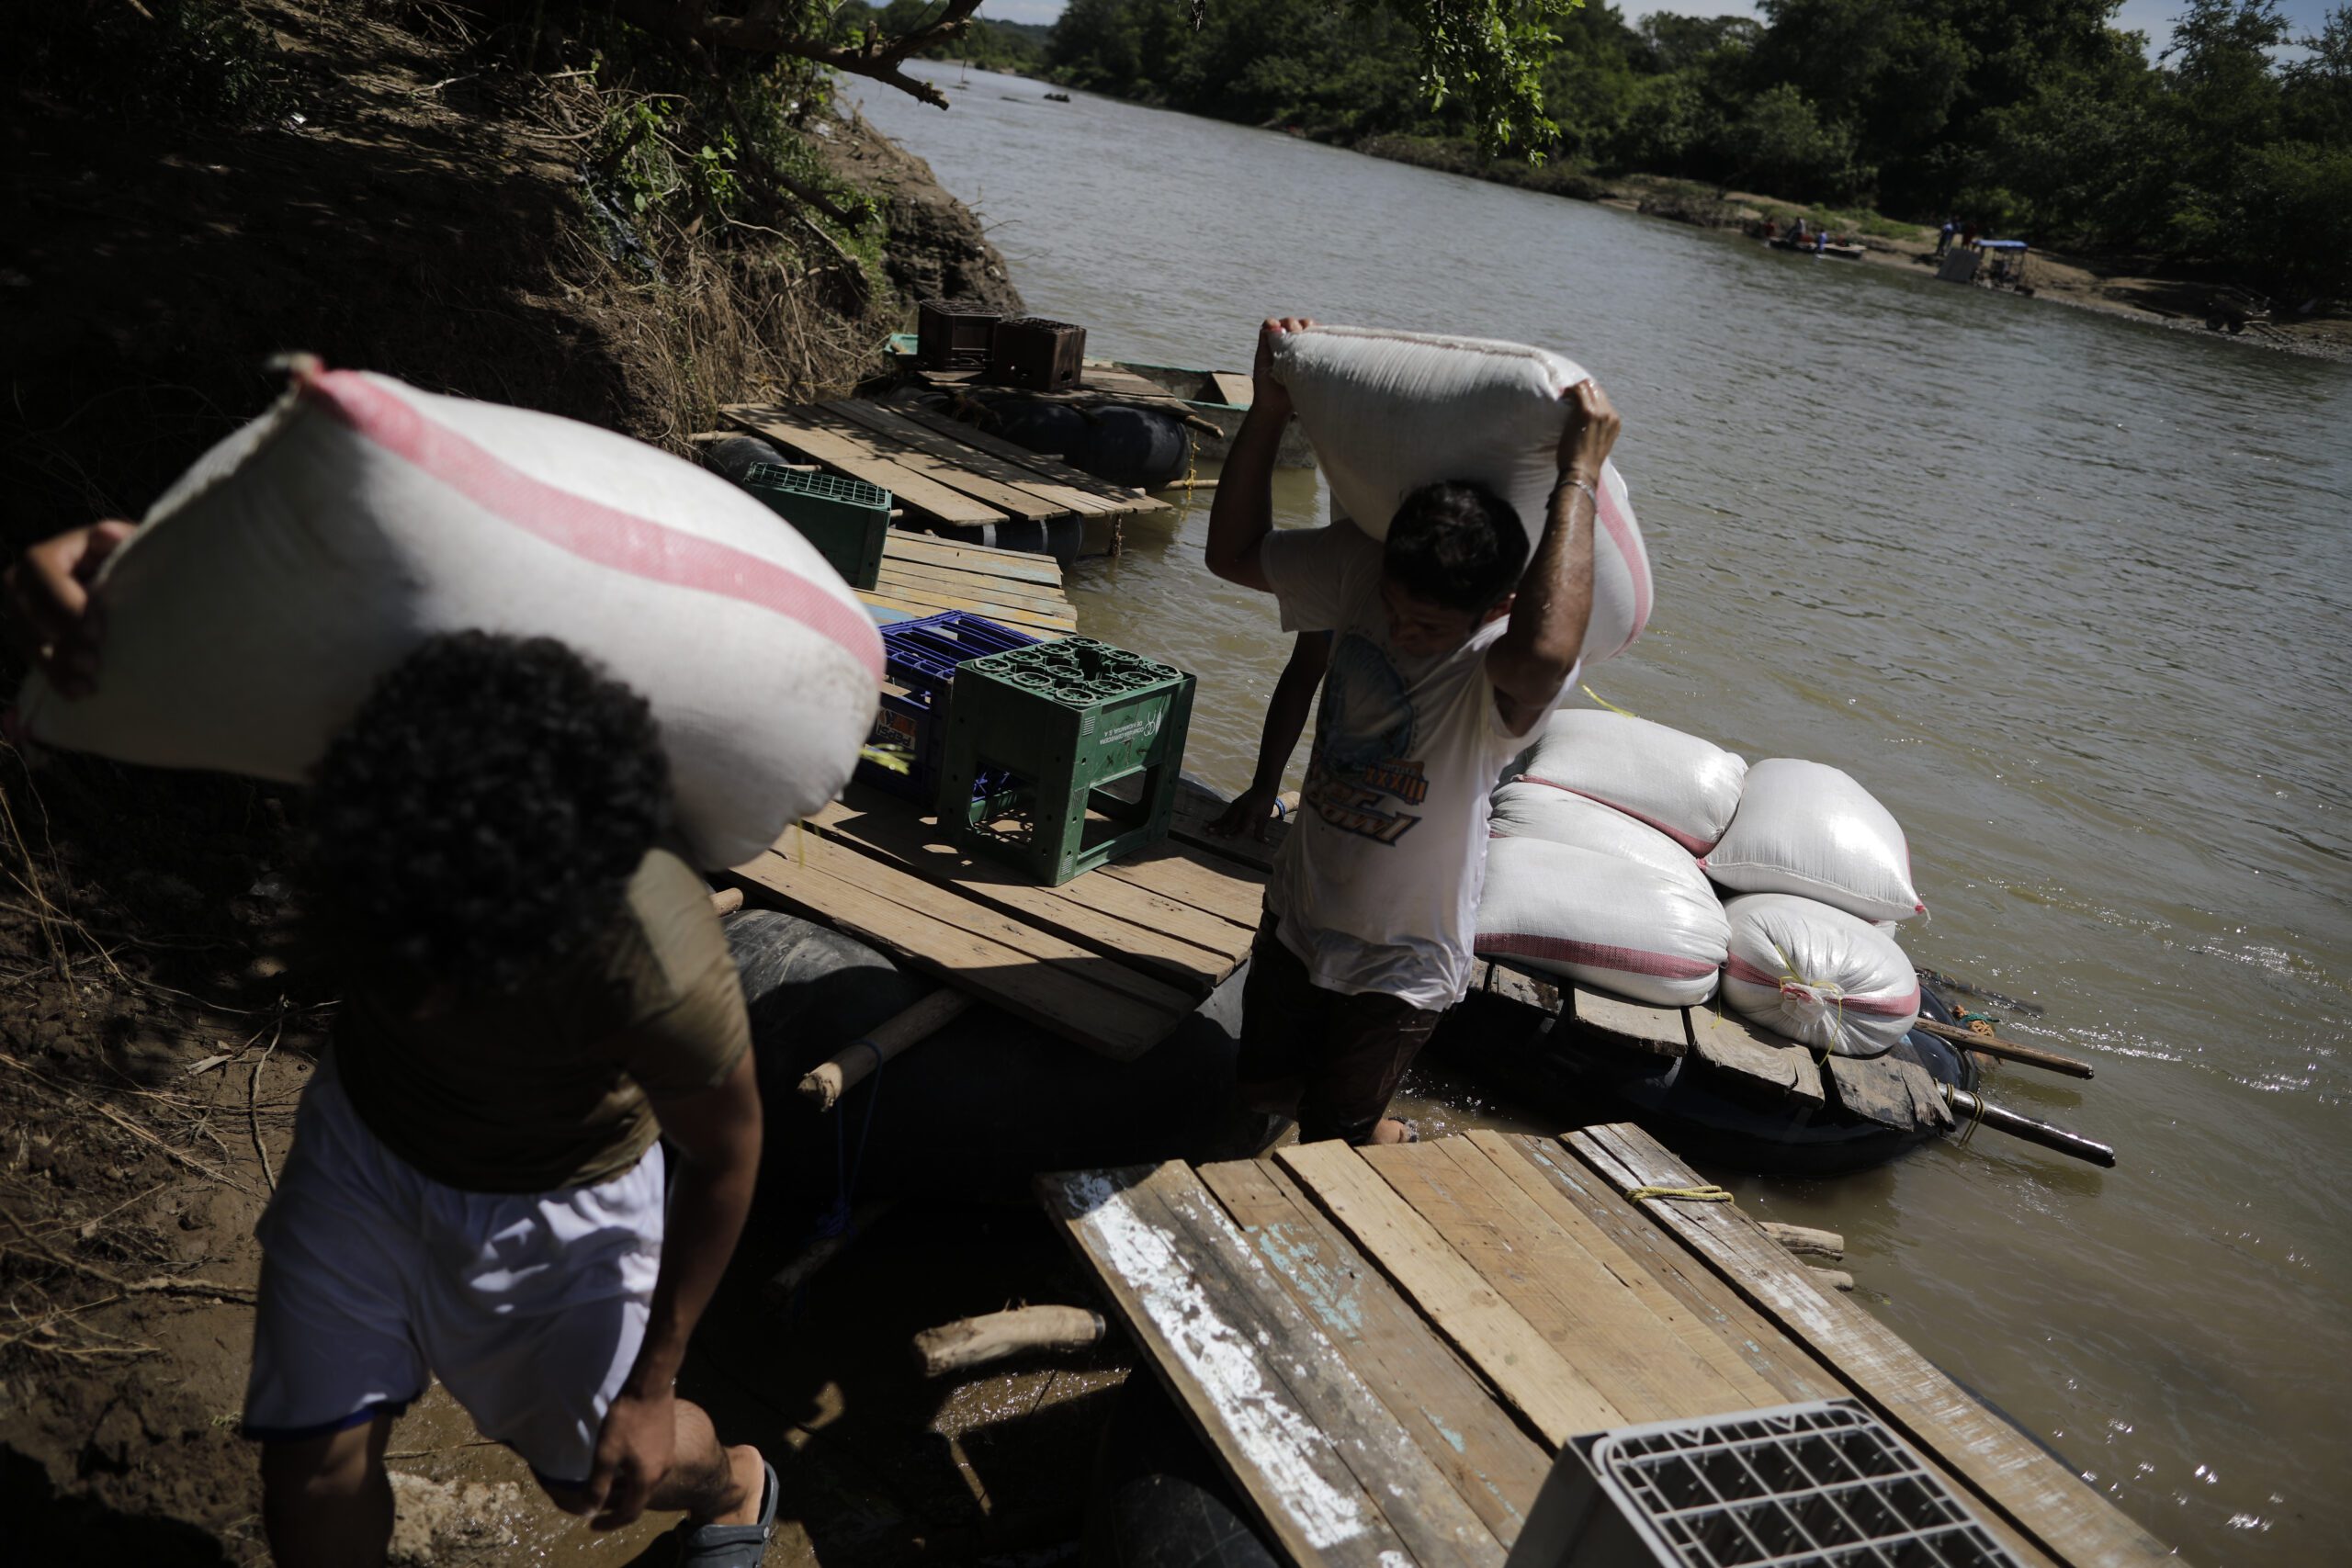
{"points": [[533, 992], [1447, 654]]}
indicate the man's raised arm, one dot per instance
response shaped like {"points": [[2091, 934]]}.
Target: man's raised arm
{"points": [[1538, 651], [1243, 513]]}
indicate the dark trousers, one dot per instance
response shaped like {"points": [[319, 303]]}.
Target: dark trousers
{"points": [[1329, 1058]]}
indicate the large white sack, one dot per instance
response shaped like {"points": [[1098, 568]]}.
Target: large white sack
{"points": [[312, 550], [1524, 809], [1653, 935], [1808, 828], [1817, 974], [1388, 413], [1685, 787]]}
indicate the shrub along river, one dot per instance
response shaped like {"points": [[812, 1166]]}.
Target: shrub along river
{"points": [[2069, 593]]}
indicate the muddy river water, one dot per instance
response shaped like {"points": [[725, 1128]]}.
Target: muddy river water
{"points": [[2071, 593]]}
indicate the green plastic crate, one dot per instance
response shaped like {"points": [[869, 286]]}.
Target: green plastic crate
{"points": [[1091, 738], [846, 519]]}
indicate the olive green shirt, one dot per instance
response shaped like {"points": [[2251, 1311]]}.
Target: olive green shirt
{"points": [[547, 1089]]}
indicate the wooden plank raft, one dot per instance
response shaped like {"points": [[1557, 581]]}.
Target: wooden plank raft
{"points": [[923, 576], [937, 473], [1385, 1348], [1111, 959]]}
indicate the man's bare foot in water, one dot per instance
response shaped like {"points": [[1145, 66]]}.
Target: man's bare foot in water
{"points": [[1389, 1130]]}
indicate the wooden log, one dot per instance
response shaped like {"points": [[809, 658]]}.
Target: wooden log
{"points": [[971, 1342], [824, 1086], [2007, 1050], [1835, 1278], [725, 900], [1803, 1239]]}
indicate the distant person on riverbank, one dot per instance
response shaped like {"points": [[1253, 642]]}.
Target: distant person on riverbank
{"points": [[1449, 646], [534, 993], [1820, 241], [1943, 238], [1968, 236]]}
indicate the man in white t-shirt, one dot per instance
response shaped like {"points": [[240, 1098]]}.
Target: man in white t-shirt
{"points": [[1449, 645]]}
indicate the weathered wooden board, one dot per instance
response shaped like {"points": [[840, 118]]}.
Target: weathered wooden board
{"points": [[1711, 1308], [862, 460], [1043, 465], [1038, 598], [1770, 1065], [1233, 387], [2029, 1490], [986, 561], [921, 597], [1119, 919], [1657, 1031], [1082, 997], [1889, 1091], [952, 472], [893, 425], [1610, 1336], [1474, 1317], [1495, 1465], [1228, 889], [1196, 808], [1330, 1472]]}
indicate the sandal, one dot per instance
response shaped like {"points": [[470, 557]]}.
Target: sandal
{"points": [[731, 1546]]}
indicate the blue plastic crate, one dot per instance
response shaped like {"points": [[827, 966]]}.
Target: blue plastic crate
{"points": [[920, 660]]}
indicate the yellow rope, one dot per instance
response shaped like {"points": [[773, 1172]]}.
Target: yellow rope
{"points": [[1706, 1193], [1604, 701]]}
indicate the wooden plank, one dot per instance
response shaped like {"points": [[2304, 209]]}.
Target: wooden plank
{"points": [[860, 460], [1322, 1460], [1042, 597], [896, 579], [1196, 808], [1772, 1066], [1469, 1312], [883, 880], [1232, 892], [1890, 1091], [895, 426], [923, 601], [1659, 1030], [1044, 467], [1012, 500], [1064, 1001], [1610, 1335], [2032, 1492], [1125, 922], [1713, 1323], [1495, 1465], [905, 544]]}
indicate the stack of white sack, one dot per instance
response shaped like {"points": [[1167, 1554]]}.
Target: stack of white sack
{"points": [[1818, 975], [312, 550], [1389, 412], [1685, 787], [1655, 935], [1809, 828], [1524, 809]]}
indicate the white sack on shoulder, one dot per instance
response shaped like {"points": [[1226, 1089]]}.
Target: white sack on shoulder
{"points": [[1685, 787], [312, 550], [1808, 828], [1524, 809], [1817, 974], [1652, 936], [1388, 413]]}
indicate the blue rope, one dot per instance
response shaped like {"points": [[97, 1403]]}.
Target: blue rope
{"points": [[847, 1169]]}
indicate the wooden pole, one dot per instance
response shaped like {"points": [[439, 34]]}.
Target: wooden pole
{"points": [[2007, 1050], [825, 1086], [1968, 1108], [971, 1342], [727, 900], [1805, 1240]]}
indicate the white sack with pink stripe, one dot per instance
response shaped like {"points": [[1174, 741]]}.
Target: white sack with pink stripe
{"points": [[1654, 935], [1817, 974], [1808, 828], [1523, 808], [1390, 412], [1685, 787], [309, 551]]}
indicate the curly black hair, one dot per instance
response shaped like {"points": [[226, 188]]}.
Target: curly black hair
{"points": [[1458, 543], [479, 820]]}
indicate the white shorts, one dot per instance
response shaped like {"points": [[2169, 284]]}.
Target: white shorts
{"points": [[528, 1307]]}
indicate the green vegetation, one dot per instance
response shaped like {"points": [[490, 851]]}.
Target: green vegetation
{"points": [[2035, 117], [1016, 47]]}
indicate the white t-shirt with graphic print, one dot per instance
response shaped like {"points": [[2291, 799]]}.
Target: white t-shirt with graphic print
{"points": [[1377, 888]]}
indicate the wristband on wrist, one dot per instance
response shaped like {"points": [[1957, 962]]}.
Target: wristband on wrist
{"points": [[1590, 494]]}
